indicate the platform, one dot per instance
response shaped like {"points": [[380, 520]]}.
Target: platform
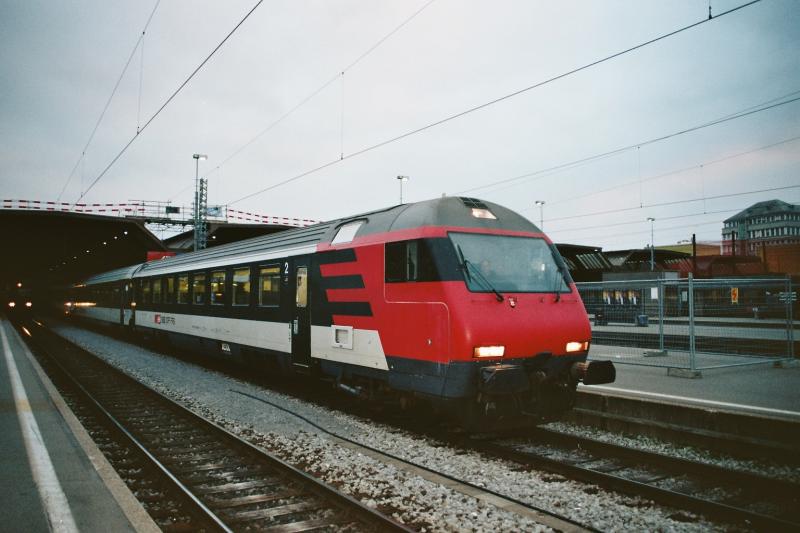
{"points": [[53, 477], [762, 389]]}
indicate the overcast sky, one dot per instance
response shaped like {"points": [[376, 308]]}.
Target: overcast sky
{"points": [[59, 62]]}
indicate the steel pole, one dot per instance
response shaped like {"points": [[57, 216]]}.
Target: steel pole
{"points": [[652, 247], [196, 202], [692, 363], [661, 292], [789, 317]]}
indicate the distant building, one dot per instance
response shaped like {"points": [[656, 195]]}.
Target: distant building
{"points": [[761, 226], [702, 248]]}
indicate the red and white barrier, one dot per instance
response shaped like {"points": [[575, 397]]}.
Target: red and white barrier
{"points": [[142, 209]]}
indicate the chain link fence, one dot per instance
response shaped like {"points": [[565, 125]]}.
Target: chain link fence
{"points": [[692, 324]]}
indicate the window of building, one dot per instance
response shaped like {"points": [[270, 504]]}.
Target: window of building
{"points": [[183, 289], [169, 290], [199, 289], [269, 284], [218, 287], [241, 286]]}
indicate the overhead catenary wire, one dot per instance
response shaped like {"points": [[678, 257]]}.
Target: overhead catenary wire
{"points": [[751, 110], [111, 97], [647, 231], [339, 76], [571, 199], [674, 202], [632, 222], [490, 103], [169, 99]]}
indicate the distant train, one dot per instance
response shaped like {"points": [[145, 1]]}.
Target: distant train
{"points": [[18, 299], [454, 301]]}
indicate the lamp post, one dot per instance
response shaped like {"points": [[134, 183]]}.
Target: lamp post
{"points": [[652, 247], [401, 179], [540, 203], [197, 216]]}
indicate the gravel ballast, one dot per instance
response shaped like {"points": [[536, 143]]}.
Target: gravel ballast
{"points": [[385, 485]]}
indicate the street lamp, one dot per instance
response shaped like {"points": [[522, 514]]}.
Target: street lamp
{"points": [[401, 179], [197, 158], [652, 247], [540, 203]]}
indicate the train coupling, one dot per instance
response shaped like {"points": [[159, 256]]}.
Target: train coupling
{"points": [[593, 372], [504, 379]]}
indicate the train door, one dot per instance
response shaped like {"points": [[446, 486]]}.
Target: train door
{"points": [[135, 294], [122, 294], [301, 324]]}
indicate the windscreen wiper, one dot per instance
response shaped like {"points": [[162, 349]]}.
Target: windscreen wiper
{"points": [[464, 262], [559, 276], [466, 266]]}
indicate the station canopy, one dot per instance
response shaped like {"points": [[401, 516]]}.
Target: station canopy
{"points": [[46, 248]]}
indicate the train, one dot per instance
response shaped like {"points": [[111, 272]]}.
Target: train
{"points": [[18, 299], [455, 303]]}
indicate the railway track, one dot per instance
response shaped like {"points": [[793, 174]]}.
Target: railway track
{"points": [[746, 500], [190, 474], [736, 497]]}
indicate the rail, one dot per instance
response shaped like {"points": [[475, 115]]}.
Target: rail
{"points": [[223, 482], [737, 497]]}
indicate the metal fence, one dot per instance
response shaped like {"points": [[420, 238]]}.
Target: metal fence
{"points": [[692, 324]]}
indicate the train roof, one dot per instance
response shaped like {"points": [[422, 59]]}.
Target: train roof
{"points": [[113, 275], [449, 211]]}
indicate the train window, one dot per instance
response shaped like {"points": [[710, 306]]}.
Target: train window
{"points": [[510, 264], [169, 290], [218, 287], [269, 283], [146, 292], [301, 294], [411, 261], [183, 289], [157, 291], [241, 286], [199, 289], [347, 232]]}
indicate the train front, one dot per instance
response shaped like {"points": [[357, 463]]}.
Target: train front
{"points": [[519, 333]]}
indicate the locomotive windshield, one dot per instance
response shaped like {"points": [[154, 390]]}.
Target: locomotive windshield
{"points": [[509, 264]]}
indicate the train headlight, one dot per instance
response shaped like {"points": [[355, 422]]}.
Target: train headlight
{"points": [[577, 346], [29, 304], [12, 304], [489, 351]]}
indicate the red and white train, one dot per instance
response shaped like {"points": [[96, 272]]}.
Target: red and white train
{"points": [[454, 301]]}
